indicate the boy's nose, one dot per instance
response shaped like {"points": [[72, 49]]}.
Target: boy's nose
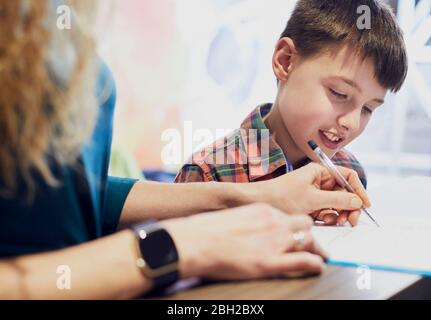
{"points": [[351, 121]]}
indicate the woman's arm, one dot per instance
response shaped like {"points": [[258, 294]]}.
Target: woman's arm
{"points": [[214, 245], [101, 269], [302, 191], [152, 200], [210, 245]]}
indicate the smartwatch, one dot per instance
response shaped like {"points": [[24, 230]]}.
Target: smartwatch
{"points": [[158, 256]]}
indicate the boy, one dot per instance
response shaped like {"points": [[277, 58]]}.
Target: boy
{"points": [[332, 74]]}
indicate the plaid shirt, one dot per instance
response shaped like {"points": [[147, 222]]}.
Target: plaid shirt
{"points": [[247, 163]]}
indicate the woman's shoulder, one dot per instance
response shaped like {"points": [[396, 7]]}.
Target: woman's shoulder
{"points": [[105, 88]]}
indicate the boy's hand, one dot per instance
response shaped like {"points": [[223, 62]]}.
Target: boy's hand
{"points": [[333, 217], [311, 189]]}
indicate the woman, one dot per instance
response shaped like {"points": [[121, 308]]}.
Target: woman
{"points": [[58, 207]]}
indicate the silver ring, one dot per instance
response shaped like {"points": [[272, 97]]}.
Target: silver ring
{"points": [[299, 238]]}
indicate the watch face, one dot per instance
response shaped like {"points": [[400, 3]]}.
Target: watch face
{"points": [[158, 249]]}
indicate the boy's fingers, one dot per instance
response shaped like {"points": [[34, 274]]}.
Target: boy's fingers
{"points": [[315, 215], [353, 217], [325, 212], [328, 216], [342, 219], [335, 199], [330, 219], [353, 179]]}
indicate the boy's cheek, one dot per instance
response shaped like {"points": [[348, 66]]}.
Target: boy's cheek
{"points": [[304, 126], [356, 134]]}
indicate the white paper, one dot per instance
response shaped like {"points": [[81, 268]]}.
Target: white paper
{"points": [[404, 239]]}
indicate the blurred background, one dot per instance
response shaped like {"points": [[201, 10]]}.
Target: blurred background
{"points": [[185, 65]]}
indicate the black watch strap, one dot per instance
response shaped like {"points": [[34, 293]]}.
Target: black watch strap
{"points": [[158, 254]]}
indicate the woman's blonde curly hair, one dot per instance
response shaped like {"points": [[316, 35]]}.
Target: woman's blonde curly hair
{"points": [[48, 104]]}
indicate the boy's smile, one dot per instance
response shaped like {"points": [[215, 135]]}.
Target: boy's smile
{"points": [[329, 98], [331, 139]]}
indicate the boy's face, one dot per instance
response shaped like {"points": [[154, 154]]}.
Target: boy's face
{"points": [[328, 98]]}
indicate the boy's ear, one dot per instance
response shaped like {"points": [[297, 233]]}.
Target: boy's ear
{"points": [[282, 58]]}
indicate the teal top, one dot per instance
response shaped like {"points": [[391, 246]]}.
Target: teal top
{"points": [[87, 204]]}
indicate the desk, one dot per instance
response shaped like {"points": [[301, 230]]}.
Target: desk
{"points": [[339, 282], [333, 283]]}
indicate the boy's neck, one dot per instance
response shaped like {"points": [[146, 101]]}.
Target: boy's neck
{"points": [[281, 134]]}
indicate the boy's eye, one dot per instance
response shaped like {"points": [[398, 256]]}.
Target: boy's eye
{"points": [[367, 110], [338, 95]]}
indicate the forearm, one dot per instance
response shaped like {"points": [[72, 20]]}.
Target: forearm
{"points": [[102, 269], [151, 200]]}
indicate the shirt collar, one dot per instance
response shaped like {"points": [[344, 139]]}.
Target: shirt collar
{"points": [[262, 165]]}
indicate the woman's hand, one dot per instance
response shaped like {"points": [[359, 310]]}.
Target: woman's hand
{"points": [[254, 241], [312, 188]]}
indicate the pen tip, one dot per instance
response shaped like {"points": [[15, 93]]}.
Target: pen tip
{"points": [[312, 144]]}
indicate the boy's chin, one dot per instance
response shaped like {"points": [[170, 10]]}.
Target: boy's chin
{"points": [[310, 154], [329, 152]]}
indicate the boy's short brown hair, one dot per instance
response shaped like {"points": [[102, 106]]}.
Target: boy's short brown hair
{"points": [[316, 25]]}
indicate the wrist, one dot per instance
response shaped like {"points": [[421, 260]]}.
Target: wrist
{"points": [[242, 194], [157, 253], [143, 282], [193, 259]]}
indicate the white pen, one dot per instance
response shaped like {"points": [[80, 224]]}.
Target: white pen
{"points": [[327, 163]]}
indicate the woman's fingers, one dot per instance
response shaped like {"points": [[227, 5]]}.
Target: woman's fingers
{"points": [[303, 262], [297, 223], [303, 240], [300, 241]]}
